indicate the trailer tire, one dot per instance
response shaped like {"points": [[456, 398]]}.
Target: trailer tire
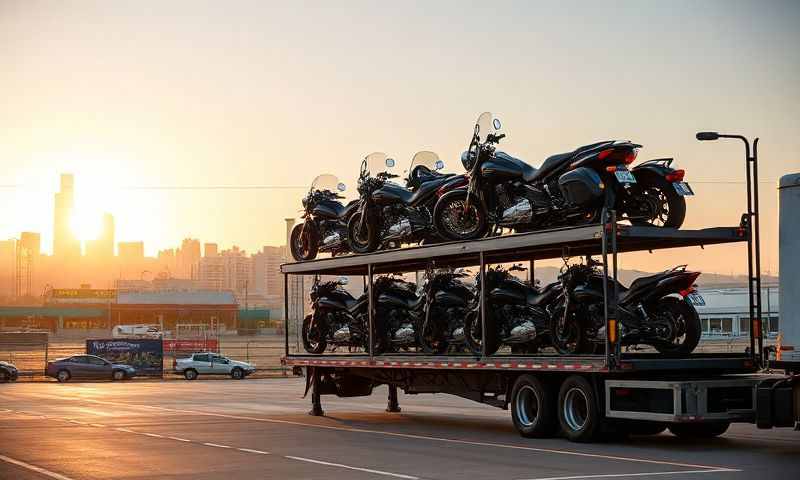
{"points": [[699, 430], [578, 411], [533, 407]]}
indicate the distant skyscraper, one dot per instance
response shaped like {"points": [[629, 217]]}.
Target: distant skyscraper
{"points": [[210, 250], [32, 243], [188, 257], [65, 245]]}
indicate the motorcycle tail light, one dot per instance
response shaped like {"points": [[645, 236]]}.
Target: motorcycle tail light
{"points": [[621, 155], [611, 168], [676, 176]]}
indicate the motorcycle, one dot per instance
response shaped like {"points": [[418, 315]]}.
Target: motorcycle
{"points": [[324, 227], [447, 301], [338, 318], [568, 189], [389, 215], [656, 310], [398, 312], [517, 314]]}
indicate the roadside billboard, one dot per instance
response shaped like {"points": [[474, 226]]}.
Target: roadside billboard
{"points": [[191, 345], [145, 355]]}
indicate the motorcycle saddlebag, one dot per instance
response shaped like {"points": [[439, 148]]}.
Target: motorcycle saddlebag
{"points": [[581, 186]]}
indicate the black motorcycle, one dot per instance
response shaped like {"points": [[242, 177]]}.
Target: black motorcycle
{"points": [[338, 318], [568, 189], [517, 314], [389, 215], [398, 313], [656, 310], [324, 227], [448, 300]]}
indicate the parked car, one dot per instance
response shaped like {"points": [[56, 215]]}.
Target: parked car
{"points": [[8, 372], [88, 367], [212, 364]]}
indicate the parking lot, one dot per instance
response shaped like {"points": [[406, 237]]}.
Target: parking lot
{"points": [[258, 428]]}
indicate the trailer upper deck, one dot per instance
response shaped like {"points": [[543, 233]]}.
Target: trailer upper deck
{"points": [[573, 241]]}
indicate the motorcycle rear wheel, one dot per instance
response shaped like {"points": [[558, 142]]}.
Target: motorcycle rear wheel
{"points": [[666, 207], [362, 240], [473, 334], [304, 244], [685, 322], [314, 345]]}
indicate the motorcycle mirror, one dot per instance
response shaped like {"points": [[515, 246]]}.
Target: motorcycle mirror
{"points": [[341, 187], [390, 162], [703, 136], [343, 281], [439, 165], [496, 124]]}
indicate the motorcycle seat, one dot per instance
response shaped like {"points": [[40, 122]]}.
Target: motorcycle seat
{"points": [[343, 211], [554, 162], [528, 172], [644, 282], [422, 174], [540, 297]]}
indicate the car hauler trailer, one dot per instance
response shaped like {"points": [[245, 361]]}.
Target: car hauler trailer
{"points": [[583, 396]]}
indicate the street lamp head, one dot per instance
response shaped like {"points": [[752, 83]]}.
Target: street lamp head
{"points": [[703, 136]]}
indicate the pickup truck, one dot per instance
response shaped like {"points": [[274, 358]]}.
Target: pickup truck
{"points": [[212, 364]]}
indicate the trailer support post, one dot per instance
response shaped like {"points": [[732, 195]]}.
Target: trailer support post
{"points": [[286, 312], [316, 403], [483, 306], [393, 405], [371, 320]]}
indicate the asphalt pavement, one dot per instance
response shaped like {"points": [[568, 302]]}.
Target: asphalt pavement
{"points": [[259, 429]]}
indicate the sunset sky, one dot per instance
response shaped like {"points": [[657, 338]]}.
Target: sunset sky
{"points": [[132, 96]]}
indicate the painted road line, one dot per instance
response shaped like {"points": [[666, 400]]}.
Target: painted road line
{"points": [[216, 445], [642, 474], [250, 450], [34, 468], [339, 465], [98, 425], [120, 429], [154, 435], [425, 437], [179, 439]]}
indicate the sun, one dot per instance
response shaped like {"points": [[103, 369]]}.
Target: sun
{"points": [[85, 225]]}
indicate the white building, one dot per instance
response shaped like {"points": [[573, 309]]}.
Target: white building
{"points": [[727, 312]]}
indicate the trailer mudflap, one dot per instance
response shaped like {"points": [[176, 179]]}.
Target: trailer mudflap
{"points": [[777, 403]]}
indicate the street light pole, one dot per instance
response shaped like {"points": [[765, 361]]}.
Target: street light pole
{"points": [[754, 236]]}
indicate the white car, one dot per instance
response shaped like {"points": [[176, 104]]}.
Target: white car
{"points": [[212, 364]]}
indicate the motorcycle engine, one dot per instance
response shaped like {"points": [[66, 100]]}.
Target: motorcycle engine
{"points": [[521, 322], [514, 209]]}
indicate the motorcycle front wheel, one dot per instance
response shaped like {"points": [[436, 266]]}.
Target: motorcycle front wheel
{"points": [[571, 338], [474, 335], [681, 320], [313, 337], [362, 238], [654, 202], [304, 243], [430, 342], [455, 220]]}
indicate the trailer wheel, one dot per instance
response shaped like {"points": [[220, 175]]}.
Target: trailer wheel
{"points": [[699, 430], [578, 413], [533, 407]]}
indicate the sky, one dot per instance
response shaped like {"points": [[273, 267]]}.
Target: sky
{"points": [[133, 97]]}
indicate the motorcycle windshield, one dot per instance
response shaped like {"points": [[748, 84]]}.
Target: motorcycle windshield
{"points": [[487, 123], [429, 160], [327, 182], [375, 163]]}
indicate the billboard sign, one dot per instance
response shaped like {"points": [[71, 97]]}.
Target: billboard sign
{"points": [[191, 345], [72, 293], [145, 355]]}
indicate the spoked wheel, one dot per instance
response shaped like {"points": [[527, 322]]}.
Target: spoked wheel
{"points": [[313, 336], [455, 220], [656, 203], [678, 325], [304, 242], [363, 237]]}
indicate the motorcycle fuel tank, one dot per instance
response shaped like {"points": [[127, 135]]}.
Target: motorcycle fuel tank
{"points": [[502, 168], [389, 194], [447, 299], [327, 209], [507, 295]]}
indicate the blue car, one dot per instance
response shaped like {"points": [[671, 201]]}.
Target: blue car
{"points": [[88, 367]]}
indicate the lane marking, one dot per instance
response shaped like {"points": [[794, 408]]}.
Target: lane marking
{"points": [[120, 429], [250, 450], [179, 439], [642, 474], [34, 468], [216, 445], [368, 470], [98, 425], [155, 435]]}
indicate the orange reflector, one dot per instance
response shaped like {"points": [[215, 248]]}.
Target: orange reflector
{"points": [[756, 328], [611, 168], [612, 330]]}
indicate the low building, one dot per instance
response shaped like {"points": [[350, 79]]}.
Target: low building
{"points": [[211, 310], [726, 312]]}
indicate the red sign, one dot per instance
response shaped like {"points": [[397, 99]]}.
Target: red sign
{"points": [[198, 345]]}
